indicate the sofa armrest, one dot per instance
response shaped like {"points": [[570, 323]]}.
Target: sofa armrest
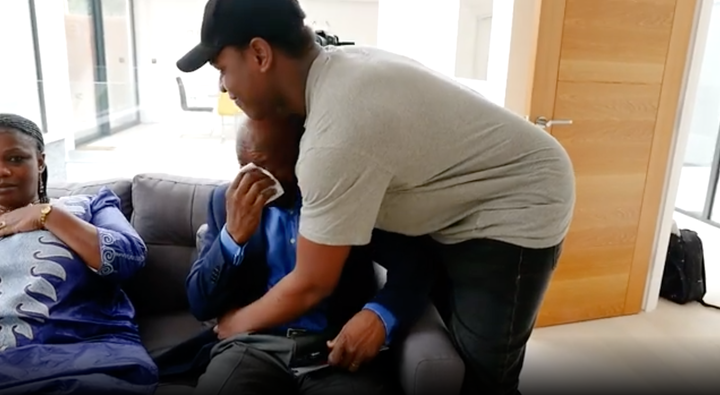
{"points": [[429, 363]]}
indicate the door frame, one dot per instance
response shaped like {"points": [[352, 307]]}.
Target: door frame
{"points": [[38, 65], [533, 62]]}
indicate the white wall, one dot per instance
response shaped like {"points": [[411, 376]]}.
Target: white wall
{"points": [[425, 30], [501, 31], [354, 20], [473, 39], [451, 35], [18, 74]]}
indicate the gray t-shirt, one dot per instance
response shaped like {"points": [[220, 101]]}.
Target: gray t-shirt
{"points": [[393, 145]]}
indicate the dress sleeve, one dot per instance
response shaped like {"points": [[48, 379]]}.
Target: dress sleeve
{"points": [[122, 250]]}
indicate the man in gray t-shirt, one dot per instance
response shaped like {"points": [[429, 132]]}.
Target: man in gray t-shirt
{"points": [[392, 145]]}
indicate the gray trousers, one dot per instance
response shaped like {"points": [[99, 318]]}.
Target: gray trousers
{"points": [[259, 365]]}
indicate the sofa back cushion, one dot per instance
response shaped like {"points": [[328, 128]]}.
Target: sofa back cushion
{"points": [[121, 187], [167, 212]]}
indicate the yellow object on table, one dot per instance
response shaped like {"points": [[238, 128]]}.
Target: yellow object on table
{"points": [[226, 107]]}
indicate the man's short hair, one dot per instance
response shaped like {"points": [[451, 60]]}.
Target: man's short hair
{"points": [[236, 22]]}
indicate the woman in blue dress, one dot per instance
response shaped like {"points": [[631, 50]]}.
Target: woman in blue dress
{"points": [[66, 326]]}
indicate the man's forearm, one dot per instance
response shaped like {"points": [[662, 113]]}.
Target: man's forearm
{"points": [[314, 278], [289, 299]]}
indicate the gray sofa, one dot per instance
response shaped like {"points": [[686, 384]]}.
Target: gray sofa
{"points": [[167, 211]]}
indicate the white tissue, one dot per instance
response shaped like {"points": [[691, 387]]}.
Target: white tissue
{"points": [[277, 187]]}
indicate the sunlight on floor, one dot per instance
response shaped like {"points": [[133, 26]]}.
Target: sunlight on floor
{"points": [[192, 150]]}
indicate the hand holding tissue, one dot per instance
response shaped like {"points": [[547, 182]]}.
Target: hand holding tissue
{"points": [[278, 189]]}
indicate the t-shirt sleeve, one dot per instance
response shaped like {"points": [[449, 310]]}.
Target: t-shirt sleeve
{"points": [[342, 192]]}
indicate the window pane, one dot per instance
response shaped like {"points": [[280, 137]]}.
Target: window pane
{"points": [[705, 123], [18, 72], [79, 37], [120, 85], [78, 7]]}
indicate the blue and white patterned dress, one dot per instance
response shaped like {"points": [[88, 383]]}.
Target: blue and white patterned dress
{"points": [[65, 328]]}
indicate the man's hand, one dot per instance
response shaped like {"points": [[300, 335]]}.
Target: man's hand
{"points": [[229, 324], [359, 341], [244, 202]]}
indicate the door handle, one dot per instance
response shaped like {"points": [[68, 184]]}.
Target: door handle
{"points": [[547, 123]]}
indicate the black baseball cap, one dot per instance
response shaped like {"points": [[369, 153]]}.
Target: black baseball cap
{"points": [[237, 22]]}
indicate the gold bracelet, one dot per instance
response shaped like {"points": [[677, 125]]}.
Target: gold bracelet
{"points": [[44, 212]]}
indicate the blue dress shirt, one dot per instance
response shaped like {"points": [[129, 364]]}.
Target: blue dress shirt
{"points": [[281, 230]]}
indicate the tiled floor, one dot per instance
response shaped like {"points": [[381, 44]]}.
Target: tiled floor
{"points": [[672, 347]]}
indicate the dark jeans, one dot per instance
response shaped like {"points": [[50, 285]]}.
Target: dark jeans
{"points": [[239, 368], [488, 293]]}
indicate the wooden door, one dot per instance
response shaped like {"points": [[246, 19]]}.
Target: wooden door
{"points": [[615, 68]]}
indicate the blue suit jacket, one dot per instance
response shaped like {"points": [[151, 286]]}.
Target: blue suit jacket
{"points": [[215, 286]]}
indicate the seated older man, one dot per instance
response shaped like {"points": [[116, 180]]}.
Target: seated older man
{"points": [[249, 246]]}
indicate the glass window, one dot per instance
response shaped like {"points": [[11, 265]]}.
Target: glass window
{"points": [[177, 111], [697, 180], [113, 90], [120, 81], [101, 67], [18, 74], [78, 7], [115, 8], [81, 65]]}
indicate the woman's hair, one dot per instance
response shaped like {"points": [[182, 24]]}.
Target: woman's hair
{"points": [[30, 129]]}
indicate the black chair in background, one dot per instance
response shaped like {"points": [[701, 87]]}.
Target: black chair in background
{"points": [[183, 99]]}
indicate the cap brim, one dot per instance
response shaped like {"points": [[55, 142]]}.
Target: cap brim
{"points": [[197, 58]]}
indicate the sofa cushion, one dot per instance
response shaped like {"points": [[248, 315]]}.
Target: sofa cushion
{"points": [[121, 187], [162, 331], [167, 212], [174, 389]]}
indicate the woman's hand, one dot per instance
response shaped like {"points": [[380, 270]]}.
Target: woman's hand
{"points": [[26, 219]]}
